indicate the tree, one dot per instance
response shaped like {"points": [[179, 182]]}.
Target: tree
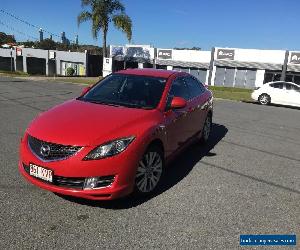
{"points": [[4, 38], [102, 13], [47, 44]]}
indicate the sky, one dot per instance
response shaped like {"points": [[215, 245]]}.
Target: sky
{"points": [[261, 24]]}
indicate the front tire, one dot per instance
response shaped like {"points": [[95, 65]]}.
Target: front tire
{"points": [[264, 99], [149, 172]]}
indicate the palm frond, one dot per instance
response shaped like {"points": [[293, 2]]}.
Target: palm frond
{"points": [[115, 6], [123, 23], [86, 3], [83, 17]]}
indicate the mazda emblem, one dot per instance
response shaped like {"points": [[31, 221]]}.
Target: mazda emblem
{"points": [[45, 150]]}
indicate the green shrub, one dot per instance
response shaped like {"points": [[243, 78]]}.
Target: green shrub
{"points": [[70, 71]]}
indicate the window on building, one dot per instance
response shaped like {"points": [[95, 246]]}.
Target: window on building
{"points": [[268, 77], [289, 78], [161, 66], [277, 77]]}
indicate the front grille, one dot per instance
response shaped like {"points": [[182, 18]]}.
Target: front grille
{"points": [[74, 182], [48, 151]]}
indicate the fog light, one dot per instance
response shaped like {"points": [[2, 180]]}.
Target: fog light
{"points": [[90, 183]]}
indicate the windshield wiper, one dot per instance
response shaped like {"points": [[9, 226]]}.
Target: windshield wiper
{"points": [[104, 103]]}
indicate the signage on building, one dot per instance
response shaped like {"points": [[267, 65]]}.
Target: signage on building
{"points": [[19, 51], [52, 54], [164, 54], [117, 51], [138, 52], [225, 54], [295, 58], [107, 66], [107, 63]]}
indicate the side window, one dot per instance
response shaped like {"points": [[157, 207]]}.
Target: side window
{"points": [[195, 87], [288, 86], [295, 88], [179, 89], [278, 85]]}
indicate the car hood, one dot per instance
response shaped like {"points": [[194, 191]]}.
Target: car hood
{"points": [[82, 123]]}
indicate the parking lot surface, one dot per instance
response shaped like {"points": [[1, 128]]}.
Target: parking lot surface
{"points": [[246, 181]]}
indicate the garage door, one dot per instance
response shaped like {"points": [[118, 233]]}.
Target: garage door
{"points": [[250, 78], [245, 78], [229, 77], [200, 74], [220, 76]]}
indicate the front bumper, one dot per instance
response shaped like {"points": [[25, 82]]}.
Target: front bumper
{"points": [[106, 193], [255, 95], [121, 167]]}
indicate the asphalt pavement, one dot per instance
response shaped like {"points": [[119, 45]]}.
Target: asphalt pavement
{"points": [[245, 181]]}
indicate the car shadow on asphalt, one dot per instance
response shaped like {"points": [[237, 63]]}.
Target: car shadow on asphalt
{"points": [[176, 171]]}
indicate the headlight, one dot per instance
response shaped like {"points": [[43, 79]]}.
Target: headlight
{"points": [[109, 149]]}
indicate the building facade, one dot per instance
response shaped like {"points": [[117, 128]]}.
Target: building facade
{"points": [[43, 62], [229, 67]]}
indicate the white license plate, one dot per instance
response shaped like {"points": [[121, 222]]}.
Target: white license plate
{"points": [[40, 172]]}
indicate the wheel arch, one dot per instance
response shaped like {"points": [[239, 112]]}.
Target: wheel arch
{"points": [[157, 143]]}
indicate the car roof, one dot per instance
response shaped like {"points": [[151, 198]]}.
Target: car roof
{"points": [[149, 72]]}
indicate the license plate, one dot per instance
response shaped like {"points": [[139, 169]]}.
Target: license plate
{"points": [[40, 172]]}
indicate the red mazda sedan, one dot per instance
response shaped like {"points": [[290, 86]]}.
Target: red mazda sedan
{"points": [[117, 137]]}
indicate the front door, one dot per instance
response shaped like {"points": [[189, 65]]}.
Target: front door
{"points": [[277, 93], [178, 120]]}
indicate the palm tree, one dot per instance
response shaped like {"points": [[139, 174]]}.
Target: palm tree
{"points": [[102, 13]]}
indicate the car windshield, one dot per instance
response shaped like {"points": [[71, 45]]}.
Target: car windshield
{"points": [[127, 90]]}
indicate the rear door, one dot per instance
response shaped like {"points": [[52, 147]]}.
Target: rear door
{"points": [[197, 102], [293, 94]]}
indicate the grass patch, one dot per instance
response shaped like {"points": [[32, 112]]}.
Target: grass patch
{"points": [[13, 73], [82, 80], [237, 94]]}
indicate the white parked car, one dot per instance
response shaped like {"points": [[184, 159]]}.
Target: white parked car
{"points": [[285, 93]]}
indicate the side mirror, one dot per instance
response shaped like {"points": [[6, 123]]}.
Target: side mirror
{"points": [[178, 103], [85, 90]]}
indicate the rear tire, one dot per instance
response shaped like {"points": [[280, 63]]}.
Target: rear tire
{"points": [[149, 172], [264, 99], [206, 130]]}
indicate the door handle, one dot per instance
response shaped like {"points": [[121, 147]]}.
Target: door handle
{"points": [[182, 113]]}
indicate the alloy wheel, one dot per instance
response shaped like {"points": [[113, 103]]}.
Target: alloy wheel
{"points": [[206, 128], [149, 172], [264, 99]]}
